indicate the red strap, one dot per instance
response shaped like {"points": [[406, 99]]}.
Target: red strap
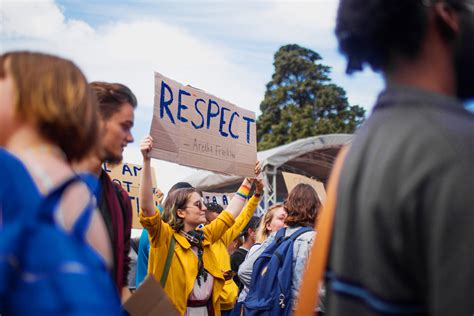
{"points": [[313, 277]]}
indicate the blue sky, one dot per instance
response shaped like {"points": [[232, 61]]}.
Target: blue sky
{"points": [[223, 47]]}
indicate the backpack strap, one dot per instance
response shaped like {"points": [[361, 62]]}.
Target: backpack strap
{"points": [[169, 258], [50, 202], [312, 277], [81, 225], [280, 234], [92, 182], [300, 232]]}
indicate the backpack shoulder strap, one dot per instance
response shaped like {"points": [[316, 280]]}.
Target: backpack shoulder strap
{"points": [[300, 232], [50, 202], [280, 234], [82, 223], [313, 277], [169, 258]]}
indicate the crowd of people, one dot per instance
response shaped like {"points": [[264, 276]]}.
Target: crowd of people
{"points": [[398, 221]]}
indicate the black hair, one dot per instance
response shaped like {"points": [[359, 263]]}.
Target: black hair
{"points": [[214, 207], [374, 31], [179, 185], [253, 224]]}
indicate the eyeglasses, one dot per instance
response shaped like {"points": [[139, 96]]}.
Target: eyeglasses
{"points": [[199, 204]]}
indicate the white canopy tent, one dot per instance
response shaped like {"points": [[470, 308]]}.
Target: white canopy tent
{"points": [[312, 157]]}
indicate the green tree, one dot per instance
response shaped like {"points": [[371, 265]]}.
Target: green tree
{"points": [[300, 101]]}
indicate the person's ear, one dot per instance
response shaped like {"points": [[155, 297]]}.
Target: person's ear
{"points": [[447, 18], [180, 213], [268, 227]]}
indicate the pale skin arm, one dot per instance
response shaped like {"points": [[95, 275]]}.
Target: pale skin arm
{"points": [[236, 204], [146, 187]]}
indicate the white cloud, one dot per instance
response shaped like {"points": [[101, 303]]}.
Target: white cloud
{"points": [[301, 22], [129, 48], [37, 19], [129, 52]]}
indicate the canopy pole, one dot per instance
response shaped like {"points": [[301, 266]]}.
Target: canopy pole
{"points": [[270, 189]]}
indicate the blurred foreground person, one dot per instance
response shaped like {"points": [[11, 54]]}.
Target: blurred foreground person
{"points": [[48, 216], [403, 230]]}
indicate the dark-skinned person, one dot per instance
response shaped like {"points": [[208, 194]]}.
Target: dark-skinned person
{"points": [[402, 239]]}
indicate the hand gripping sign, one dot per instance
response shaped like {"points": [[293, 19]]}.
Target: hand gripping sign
{"points": [[193, 128]]}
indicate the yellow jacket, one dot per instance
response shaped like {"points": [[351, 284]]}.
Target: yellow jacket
{"points": [[230, 290], [184, 265]]}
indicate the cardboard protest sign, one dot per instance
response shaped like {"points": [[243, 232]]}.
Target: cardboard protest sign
{"points": [[128, 176], [222, 199], [150, 299], [193, 128], [292, 179]]}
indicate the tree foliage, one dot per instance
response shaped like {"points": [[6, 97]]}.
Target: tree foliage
{"points": [[300, 101]]}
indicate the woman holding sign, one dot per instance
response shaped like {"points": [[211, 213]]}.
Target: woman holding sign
{"points": [[180, 253]]}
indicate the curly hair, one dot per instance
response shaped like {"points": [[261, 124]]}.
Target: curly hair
{"points": [[174, 201], [374, 31], [302, 206]]}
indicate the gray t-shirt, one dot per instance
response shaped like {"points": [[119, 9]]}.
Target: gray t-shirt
{"points": [[403, 240]]}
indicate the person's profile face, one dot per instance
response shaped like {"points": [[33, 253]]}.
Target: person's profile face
{"points": [[116, 133], [278, 220]]}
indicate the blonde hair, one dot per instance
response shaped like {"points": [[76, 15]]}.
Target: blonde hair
{"points": [[262, 231], [52, 94]]}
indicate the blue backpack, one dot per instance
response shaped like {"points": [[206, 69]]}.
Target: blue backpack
{"points": [[270, 287], [45, 270]]}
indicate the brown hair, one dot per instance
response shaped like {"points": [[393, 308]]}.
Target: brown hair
{"points": [[302, 206], [52, 94], [262, 231], [174, 201], [111, 96]]}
